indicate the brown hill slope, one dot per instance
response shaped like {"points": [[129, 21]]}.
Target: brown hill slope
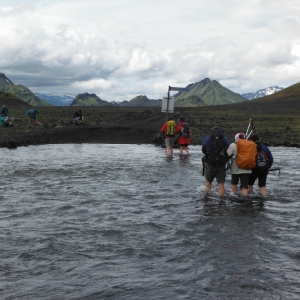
{"points": [[287, 98]]}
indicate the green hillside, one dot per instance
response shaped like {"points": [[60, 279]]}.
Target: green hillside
{"points": [[141, 100], [87, 99], [22, 92], [209, 92], [6, 95]]}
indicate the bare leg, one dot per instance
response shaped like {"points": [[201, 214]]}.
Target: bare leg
{"points": [[250, 188], [263, 191], [221, 189], [234, 188], [186, 150], [169, 151], [82, 118], [245, 192], [181, 150], [207, 186]]}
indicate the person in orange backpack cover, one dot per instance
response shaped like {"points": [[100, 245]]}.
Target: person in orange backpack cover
{"points": [[264, 162], [185, 133], [169, 130], [238, 173]]}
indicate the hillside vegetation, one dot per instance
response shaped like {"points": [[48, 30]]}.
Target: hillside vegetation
{"points": [[87, 99], [22, 92]]}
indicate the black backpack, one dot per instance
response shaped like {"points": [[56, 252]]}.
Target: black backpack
{"points": [[218, 148], [185, 130], [262, 161]]}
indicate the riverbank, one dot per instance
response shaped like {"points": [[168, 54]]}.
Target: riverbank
{"points": [[275, 125]]}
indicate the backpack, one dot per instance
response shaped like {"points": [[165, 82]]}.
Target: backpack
{"points": [[171, 128], [185, 130], [246, 154], [217, 148], [262, 162]]}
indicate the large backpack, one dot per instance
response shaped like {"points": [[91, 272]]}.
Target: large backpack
{"points": [[217, 148], [246, 154], [185, 130], [171, 128], [262, 161]]}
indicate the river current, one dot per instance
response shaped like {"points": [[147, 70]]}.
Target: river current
{"points": [[96, 221]]}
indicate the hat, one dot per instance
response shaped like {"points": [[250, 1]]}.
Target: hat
{"points": [[238, 136]]}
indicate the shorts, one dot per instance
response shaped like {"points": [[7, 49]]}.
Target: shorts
{"points": [[184, 145], [244, 178], [262, 178], [169, 142], [218, 172]]}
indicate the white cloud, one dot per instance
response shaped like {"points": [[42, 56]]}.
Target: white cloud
{"points": [[102, 46]]}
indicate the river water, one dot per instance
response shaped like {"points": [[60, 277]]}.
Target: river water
{"points": [[96, 221]]}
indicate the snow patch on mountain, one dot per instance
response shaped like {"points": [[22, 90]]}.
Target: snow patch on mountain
{"points": [[263, 92]]}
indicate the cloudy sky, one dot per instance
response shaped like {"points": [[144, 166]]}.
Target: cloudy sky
{"points": [[122, 48]]}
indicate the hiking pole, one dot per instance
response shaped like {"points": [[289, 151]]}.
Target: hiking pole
{"points": [[275, 169], [252, 129], [250, 124]]}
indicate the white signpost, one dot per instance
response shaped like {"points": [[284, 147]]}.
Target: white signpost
{"points": [[164, 106]]}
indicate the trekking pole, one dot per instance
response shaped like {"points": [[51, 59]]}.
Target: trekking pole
{"points": [[253, 127], [250, 123], [275, 169]]}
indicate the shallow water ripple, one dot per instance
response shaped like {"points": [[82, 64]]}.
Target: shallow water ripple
{"points": [[126, 222]]}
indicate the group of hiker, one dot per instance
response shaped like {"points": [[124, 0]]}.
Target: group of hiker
{"points": [[170, 129], [247, 158], [78, 118]]}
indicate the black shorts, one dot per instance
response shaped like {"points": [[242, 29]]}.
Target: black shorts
{"points": [[183, 145], [244, 178], [261, 175], [218, 172]]}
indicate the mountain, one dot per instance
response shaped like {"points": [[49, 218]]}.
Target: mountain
{"points": [[11, 100], [56, 99], [208, 92], [6, 85], [87, 99], [263, 92], [141, 100]]}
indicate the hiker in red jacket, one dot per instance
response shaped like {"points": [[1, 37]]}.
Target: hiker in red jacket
{"points": [[169, 130], [185, 133]]}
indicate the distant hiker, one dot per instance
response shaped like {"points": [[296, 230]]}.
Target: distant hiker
{"points": [[169, 130], [264, 161], [236, 152], [4, 112], [78, 117], [215, 148], [2, 120], [185, 133], [31, 116]]}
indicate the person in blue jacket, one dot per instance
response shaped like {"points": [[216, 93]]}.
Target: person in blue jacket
{"points": [[261, 175], [31, 115], [4, 111], [215, 148]]}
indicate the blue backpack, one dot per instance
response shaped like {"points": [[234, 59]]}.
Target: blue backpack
{"points": [[216, 148]]}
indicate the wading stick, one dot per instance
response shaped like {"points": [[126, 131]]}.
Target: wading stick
{"points": [[250, 121], [250, 132]]}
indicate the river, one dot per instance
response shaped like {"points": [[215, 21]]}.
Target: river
{"points": [[99, 221]]}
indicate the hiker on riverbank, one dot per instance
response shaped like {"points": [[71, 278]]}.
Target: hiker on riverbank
{"points": [[185, 133], [31, 114], [264, 162], [169, 130], [237, 173], [215, 148], [4, 112], [78, 117]]}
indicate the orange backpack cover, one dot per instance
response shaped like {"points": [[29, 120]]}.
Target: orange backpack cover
{"points": [[246, 154]]}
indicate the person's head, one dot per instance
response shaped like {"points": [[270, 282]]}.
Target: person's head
{"points": [[239, 136], [253, 137], [171, 119], [216, 127], [4, 106], [79, 110], [36, 111], [182, 119]]}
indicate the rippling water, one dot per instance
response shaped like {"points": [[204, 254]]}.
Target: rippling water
{"points": [[125, 222]]}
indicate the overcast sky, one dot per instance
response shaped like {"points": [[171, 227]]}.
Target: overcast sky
{"points": [[122, 48]]}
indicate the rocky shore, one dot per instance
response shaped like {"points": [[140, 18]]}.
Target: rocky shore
{"points": [[276, 126]]}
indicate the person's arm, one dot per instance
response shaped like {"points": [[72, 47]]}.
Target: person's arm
{"points": [[178, 130], [270, 157], [164, 128], [204, 148], [230, 150]]}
